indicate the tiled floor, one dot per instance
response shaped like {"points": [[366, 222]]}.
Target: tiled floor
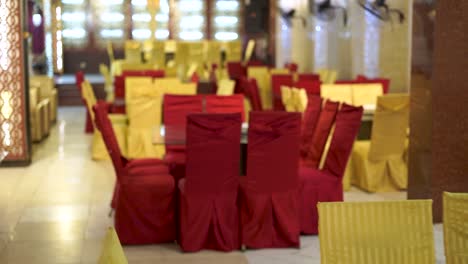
{"points": [[55, 211]]}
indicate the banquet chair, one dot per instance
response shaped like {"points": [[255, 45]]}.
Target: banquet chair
{"points": [[455, 216], [118, 121], [291, 66], [278, 80], [254, 95], [112, 251], [311, 87], [176, 108], [337, 92], [143, 103], [157, 55], [366, 94], [182, 89], [108, 86], [79, 78], [132, 51], [321, 133], [324, 184], [212, 52], [311, 77], [144, 73], [225, 87], [379, 164], [383, 81], [287, 99], [35, 110], [309, 124], [233, 50], [225, 104], [268, 196], [301, 102], [261, 74], [208, 193], [376, 232], [278, 71], [143, 195], [235, 70]]}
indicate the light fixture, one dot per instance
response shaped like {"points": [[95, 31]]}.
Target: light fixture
{"points": [[381, 10]]}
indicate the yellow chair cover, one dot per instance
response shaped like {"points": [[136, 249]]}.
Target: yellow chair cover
{"points": [[144, 114], [302, 100], [331, 77], [323, 73], [108, 85], [287, 98], [133, 51], [366, 94], [213, 53], [456, 227], [182, 89], [249, 50], [110, 52], [376, 232], [112, 251], [225, 87], [130, 66], [164, 84], [347, 175], [155, 54], [278, 71], [233, 51], [337, 92], [262, 75], [379, 164]]}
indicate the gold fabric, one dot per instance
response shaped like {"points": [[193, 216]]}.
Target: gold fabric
{"points": [[225, 87], [133, 51], [262, 75], [337, 92], [108, 85], [456, 227], [249, 50], [298, 100], [347, 175], [379, 165], [327, 76], [376, 232], [233, 51], [278, 71], [131, 66], [156, 54], [53, 105], [112, 251], [287, 99], [35, 115], [213, 53], [366, 94], [44, 107]]}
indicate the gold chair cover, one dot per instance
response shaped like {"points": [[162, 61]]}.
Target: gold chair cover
{"points": [[366, 94], [456, 227], [108, 85], [233, 51], [262, 75], [379, 164], [287, 98], [337, 92], [225, 87], [133, 51], [112, 251], [376, 232]]}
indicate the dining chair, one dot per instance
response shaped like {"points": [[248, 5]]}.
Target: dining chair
{"points": [[261, 74], [225, 87], [233, 51], [225, 104], [112, 251], [79, 78], [278, 80], [268, 197], [324, 184], [311, 77], [455, 206], [309, 124], [383, 81], [366, 94], [311, 87], [376, 232], [132, 50], [337, 92], [144, 192], [378, 163], [254, 95], [208, 193]]}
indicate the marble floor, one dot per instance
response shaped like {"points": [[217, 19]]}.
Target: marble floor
{"points": [[55, 211]]}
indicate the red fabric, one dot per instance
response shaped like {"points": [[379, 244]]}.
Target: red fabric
{"points": [[278, 80], [175, 111], [310, 119], [269, 204], [144, 73], [320, 136], [208, 194], [254, 95], [119, 87], [225, 104], [308, 77], [326, 185], [311, 87], [79, 79], [292, 67], [143, 195], [236, 70]]}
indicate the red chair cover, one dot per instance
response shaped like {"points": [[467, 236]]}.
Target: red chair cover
{"points": [[309, 123], [144, 73], [79, 79], [292, 67], [269, 204], [175, 111], [308, 77], [208, 194], [236, 70], [254, 95], [326, 185], [119, 87], [320, 136], [311, 87], [278, 80], [225, 104], [144, 193]]}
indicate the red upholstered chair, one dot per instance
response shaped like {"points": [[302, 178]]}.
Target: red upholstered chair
{"points": [[309, 124], [254, 95], [208, 193], [311, 87], [175, 111], [225, 104], [278, 80], [119, 87], [144, 192], [385, 83], [292, 67], [325, 185], [79, 79], [308, 77], [268, 198], [320, 135], [144, 73], [236, 70]]}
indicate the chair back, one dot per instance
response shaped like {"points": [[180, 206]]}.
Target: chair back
{"points": [[110, 52], [235, 70], [112, 251], [311, 87], [308, 77], [344, 133], [176, 108], [119, 86], [144, 73], [287, 99], [104, 125], [157, 54], [383, 81], [143, 103], [261, 74], [225, 104], [212, 165], [254, 95], [88, 95], [455, 231], [273, 150], [79, 78], [376, 232], [133, 51], [322, 132], [233, 51], [278, 80], [291, 66], [309, 123], [225, 87], [366, 94], [391, 120], [337, 92]]}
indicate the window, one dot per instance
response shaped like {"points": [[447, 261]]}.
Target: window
{"points": [[189, 16], [141, 20], [225, 22], [109, 21], [73, 18]]}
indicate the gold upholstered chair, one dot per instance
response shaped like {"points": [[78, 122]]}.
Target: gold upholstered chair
{"points": [[456, 227]]}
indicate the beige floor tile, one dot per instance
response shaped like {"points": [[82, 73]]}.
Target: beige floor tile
{"points": [[51, 252], [47, 231], [55, 213]]}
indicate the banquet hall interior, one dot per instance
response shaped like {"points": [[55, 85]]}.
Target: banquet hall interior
{"points": [[233, 131]]}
